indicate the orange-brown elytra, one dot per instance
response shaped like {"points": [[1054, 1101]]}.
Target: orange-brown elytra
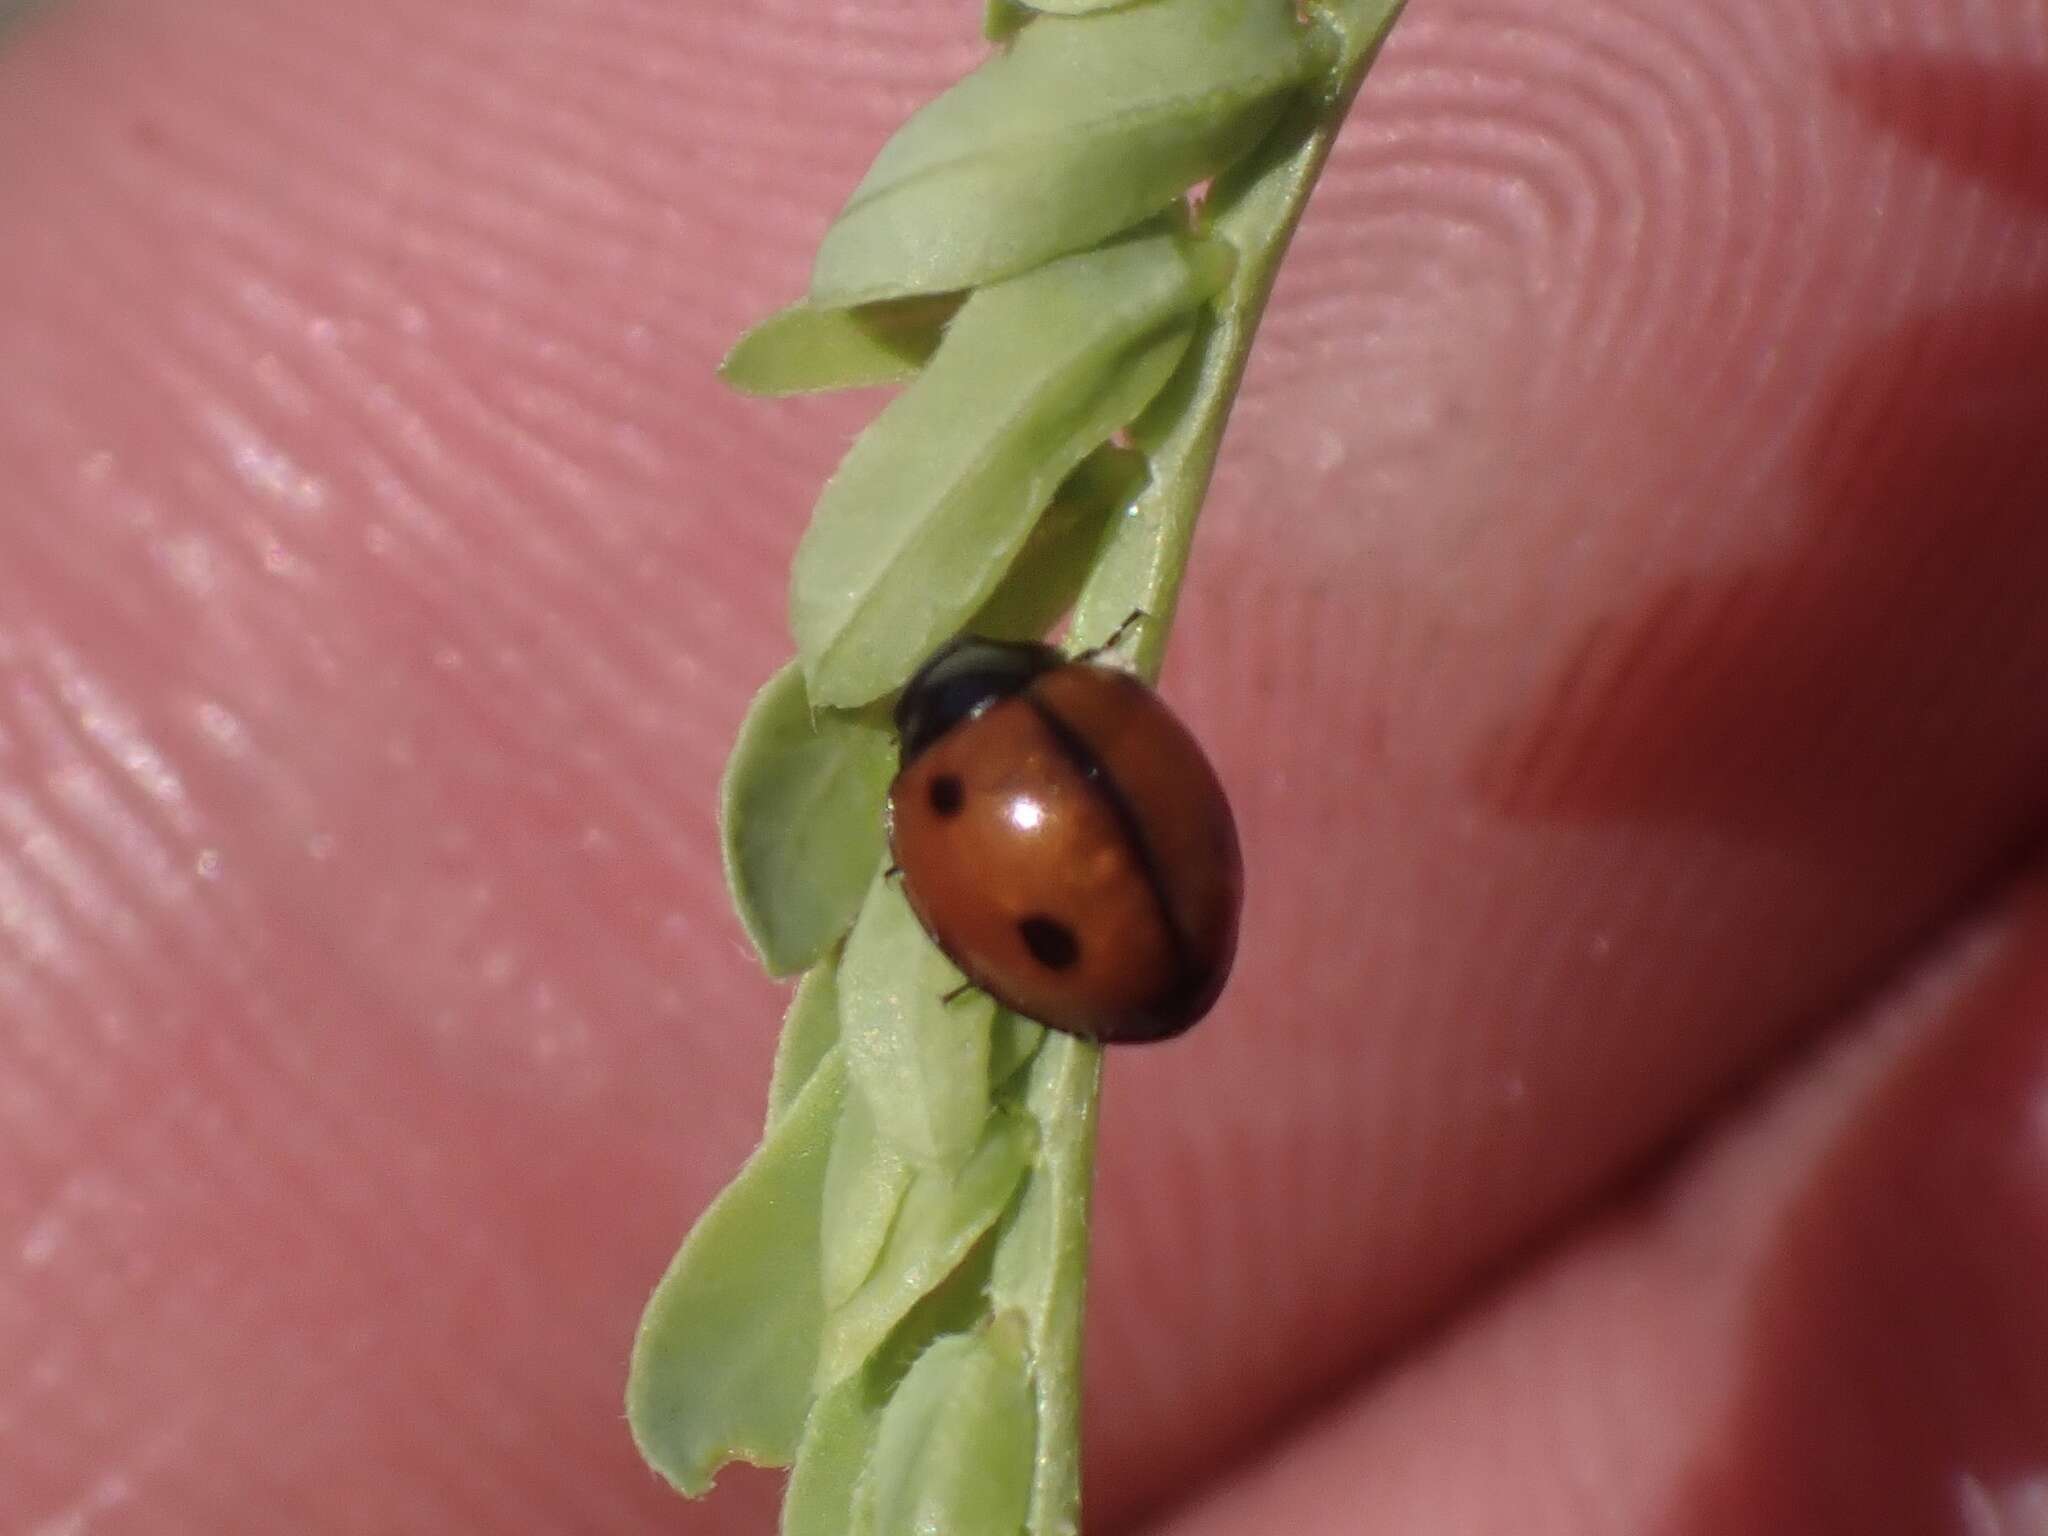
{"points": [[1063, 839]]}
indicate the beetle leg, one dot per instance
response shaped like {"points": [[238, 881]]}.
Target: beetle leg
{"points": [[1116, 636]]}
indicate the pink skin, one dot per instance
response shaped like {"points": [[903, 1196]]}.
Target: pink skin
{"points": [[1618, 619]]}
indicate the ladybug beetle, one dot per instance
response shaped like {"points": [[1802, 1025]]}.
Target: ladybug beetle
{"points": [[1062, 838]]}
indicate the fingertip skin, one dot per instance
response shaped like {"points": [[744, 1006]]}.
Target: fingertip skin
{"points": [[1615, 620]]}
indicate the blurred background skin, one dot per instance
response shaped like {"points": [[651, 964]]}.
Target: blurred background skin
{"points": [[1619, 619]]}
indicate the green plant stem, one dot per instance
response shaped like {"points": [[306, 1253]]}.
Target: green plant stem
{"points": [[1257, 207], [1066, 1080]]}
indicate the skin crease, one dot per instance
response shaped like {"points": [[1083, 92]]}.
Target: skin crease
{"points": [[1616, 620]]}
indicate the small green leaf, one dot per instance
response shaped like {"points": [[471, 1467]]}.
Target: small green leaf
{"points": [[1054, 563], [1012, 1045], [1041, 1265], [1083, 127], [840, 1435], [943, 1216], [865, 1179], [801, 819], [723, 1361], [804, 349], [933, 502], [809, 1030], [921, 1063], [953, 1455], [837, 1443]]}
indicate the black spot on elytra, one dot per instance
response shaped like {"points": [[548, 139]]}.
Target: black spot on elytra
{"points": [[1052, 943], [947, 795]]}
